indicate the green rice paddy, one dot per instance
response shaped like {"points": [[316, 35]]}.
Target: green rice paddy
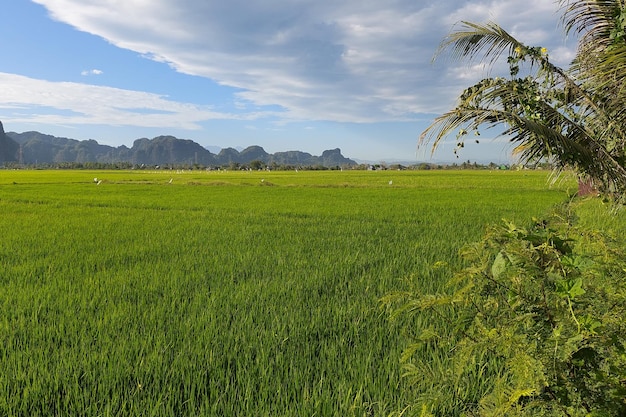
{"points": [[172, 293]]}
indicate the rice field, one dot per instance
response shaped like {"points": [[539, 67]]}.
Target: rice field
{"points": [[170, 293]]}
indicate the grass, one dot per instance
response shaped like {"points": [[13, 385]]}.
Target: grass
{"points": [[227, 293]]}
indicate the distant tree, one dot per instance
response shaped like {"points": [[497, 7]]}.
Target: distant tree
{"points": [[256, 164]]}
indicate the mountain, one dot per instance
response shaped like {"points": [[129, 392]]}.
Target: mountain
{"points": [[164, 150], [254, 153], [8, 147], [39, 148]]}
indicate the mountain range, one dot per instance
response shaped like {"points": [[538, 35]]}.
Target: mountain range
{"points": [[37, 148]]}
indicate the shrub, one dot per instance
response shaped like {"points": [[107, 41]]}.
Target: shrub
{"points": [[534, 325]]}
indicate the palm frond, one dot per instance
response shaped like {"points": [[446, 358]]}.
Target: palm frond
{"points": [[553, 135], [601, 56], [593, 19], [576, 117], [489, 41]]}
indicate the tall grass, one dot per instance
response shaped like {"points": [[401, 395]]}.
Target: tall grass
{"points": [[226, 293]]}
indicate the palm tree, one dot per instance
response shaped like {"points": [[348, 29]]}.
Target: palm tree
{"points": [[573, 117]]}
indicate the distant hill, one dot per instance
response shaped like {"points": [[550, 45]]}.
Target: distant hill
{"points": [[8, 147], [38, 148]]}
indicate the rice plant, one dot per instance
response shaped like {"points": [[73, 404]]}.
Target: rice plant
{"points": [[217, 293]]}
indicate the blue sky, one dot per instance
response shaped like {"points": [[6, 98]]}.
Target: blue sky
{"points": [[304, 75]]}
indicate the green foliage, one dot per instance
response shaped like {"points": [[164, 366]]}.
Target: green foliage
{"points": [[534, 325], [572, 117]]}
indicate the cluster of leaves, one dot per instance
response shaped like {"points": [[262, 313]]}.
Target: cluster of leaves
{"points": [[573, 117], [533, 326]]}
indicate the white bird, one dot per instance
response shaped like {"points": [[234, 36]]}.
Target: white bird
{"points": [[95, 180], [390, 182]]}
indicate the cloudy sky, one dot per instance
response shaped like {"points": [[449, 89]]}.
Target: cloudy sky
{"points": [[283, 74]]}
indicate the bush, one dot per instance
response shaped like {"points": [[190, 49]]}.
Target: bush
{"points": [[534, 325]]}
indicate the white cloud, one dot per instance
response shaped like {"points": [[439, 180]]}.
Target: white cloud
{"points": [[92, 72], [350, 61], [76, 103]]}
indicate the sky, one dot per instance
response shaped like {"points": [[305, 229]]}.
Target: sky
{"points": [[305, 75]]}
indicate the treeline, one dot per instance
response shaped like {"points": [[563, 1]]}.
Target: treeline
{"points": [[424, 166], [233, 166], [258, 165]]}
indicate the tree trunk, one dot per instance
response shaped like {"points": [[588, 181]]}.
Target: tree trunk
{"points": [[586, 187]]}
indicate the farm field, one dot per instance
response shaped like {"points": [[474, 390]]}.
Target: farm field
{"points": [[169, 293]]}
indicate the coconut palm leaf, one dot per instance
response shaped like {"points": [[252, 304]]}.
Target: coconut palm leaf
{"points": [[550, 114], [601, 58], [488, 41]]}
